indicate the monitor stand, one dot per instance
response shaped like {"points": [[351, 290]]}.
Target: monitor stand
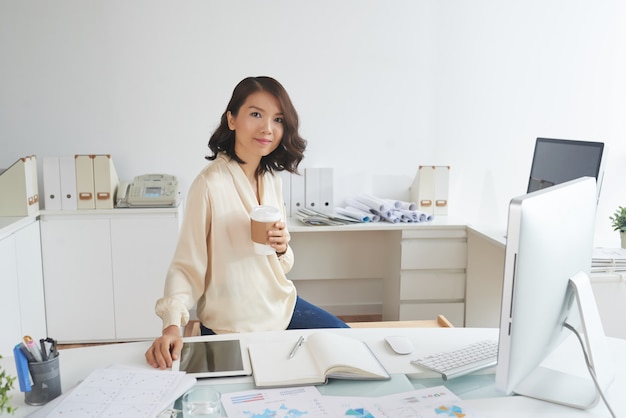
{"points": [[567, 389]]}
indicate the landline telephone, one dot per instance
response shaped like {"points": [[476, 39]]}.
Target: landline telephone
{"points": [[148, 190]]}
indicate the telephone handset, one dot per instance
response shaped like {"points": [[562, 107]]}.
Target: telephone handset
{"points": [[148, 190]]}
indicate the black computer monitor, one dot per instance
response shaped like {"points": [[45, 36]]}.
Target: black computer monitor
{"points": [[556, 161]]}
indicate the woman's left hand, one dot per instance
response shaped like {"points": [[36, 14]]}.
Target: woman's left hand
{"points": [[278, 237]]}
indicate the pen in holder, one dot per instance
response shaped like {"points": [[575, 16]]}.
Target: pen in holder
{"points": [[45, 375], [46, 381]]}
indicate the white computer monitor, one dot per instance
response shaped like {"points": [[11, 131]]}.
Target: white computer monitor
{"points": [[549, 241]]}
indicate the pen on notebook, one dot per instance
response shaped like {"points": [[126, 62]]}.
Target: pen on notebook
{"points": [[296, 347], [32, 347]]}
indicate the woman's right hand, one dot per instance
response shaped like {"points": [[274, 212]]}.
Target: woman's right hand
{"points": [[165, 349]]}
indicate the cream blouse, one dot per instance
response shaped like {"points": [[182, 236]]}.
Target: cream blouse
{"points": [[215, 266]]}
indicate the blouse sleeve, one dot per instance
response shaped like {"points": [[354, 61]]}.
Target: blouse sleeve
{"points": [[186, 276], [286, 260]]}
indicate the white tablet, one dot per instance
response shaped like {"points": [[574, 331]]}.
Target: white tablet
{"points": [[210, 357]]}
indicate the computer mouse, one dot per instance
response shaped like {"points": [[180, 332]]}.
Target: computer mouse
{"points": [[400, 344]]}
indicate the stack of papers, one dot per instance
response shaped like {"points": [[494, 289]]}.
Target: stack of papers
{"points": [[608, 260], [315, 218], [307, 401], [120, 392]]}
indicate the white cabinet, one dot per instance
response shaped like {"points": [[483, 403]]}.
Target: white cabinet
{"points": [[404, 272], [21, 284], [432, 273], [345, 271], [104, 271]]}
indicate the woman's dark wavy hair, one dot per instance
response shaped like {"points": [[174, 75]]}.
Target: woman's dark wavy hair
{"points": [[288, 154]]}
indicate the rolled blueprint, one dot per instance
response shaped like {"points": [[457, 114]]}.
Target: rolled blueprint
{"points": [[354, 214]]}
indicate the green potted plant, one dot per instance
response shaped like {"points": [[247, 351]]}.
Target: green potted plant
{"points": [[6, 384], [618, 222]]}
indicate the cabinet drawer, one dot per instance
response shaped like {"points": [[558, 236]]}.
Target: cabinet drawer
{"points": [[434, 253], [453, 311], [440, 285]]}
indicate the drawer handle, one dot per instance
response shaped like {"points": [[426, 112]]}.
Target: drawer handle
{"points": [[440, 203], [84, 196], [426, 203], [103, 195]]}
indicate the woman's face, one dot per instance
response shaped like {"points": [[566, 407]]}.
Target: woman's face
{"points": [[258, 126]]}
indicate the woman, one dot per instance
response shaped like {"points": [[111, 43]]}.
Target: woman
{"points": [[214, 266]]}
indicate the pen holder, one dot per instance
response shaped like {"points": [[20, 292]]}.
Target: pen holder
{"points": [[46, 381]]}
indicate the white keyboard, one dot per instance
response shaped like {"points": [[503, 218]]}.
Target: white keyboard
{"points": [[462, 361]]}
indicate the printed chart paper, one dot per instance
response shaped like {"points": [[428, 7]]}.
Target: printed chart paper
{"points": [[435, 402]]}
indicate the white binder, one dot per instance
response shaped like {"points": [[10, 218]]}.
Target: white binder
{"points": [[51, 183], [286, 179], [297, 193], [67, 172], [327, 196], [105, 180], [312, 188], [84, 182]]}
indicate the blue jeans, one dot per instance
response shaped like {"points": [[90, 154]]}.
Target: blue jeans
{"points": [[305, 316]]}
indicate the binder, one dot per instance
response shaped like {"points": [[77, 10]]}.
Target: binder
{"points": [[297, 193], [105, 181], [52, 183], [441, 181], [312, 188], [327, 197], [286, 179], [18, 188], [84, 182], [67, 172]]}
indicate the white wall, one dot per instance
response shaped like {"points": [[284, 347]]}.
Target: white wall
{"points": [[381, 86]]}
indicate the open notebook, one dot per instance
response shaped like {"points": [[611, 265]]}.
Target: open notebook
{"points": [[323, 355]]}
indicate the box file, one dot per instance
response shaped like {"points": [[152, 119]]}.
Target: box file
{"points": [[105, 181], [85, 182], [32, 187], [96, 181], [19, 189], [430, 189], [442, 181]]}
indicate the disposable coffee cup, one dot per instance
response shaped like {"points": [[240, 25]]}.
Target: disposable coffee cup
{"points": [[262, 219], [46, 382], [202, 401]]}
